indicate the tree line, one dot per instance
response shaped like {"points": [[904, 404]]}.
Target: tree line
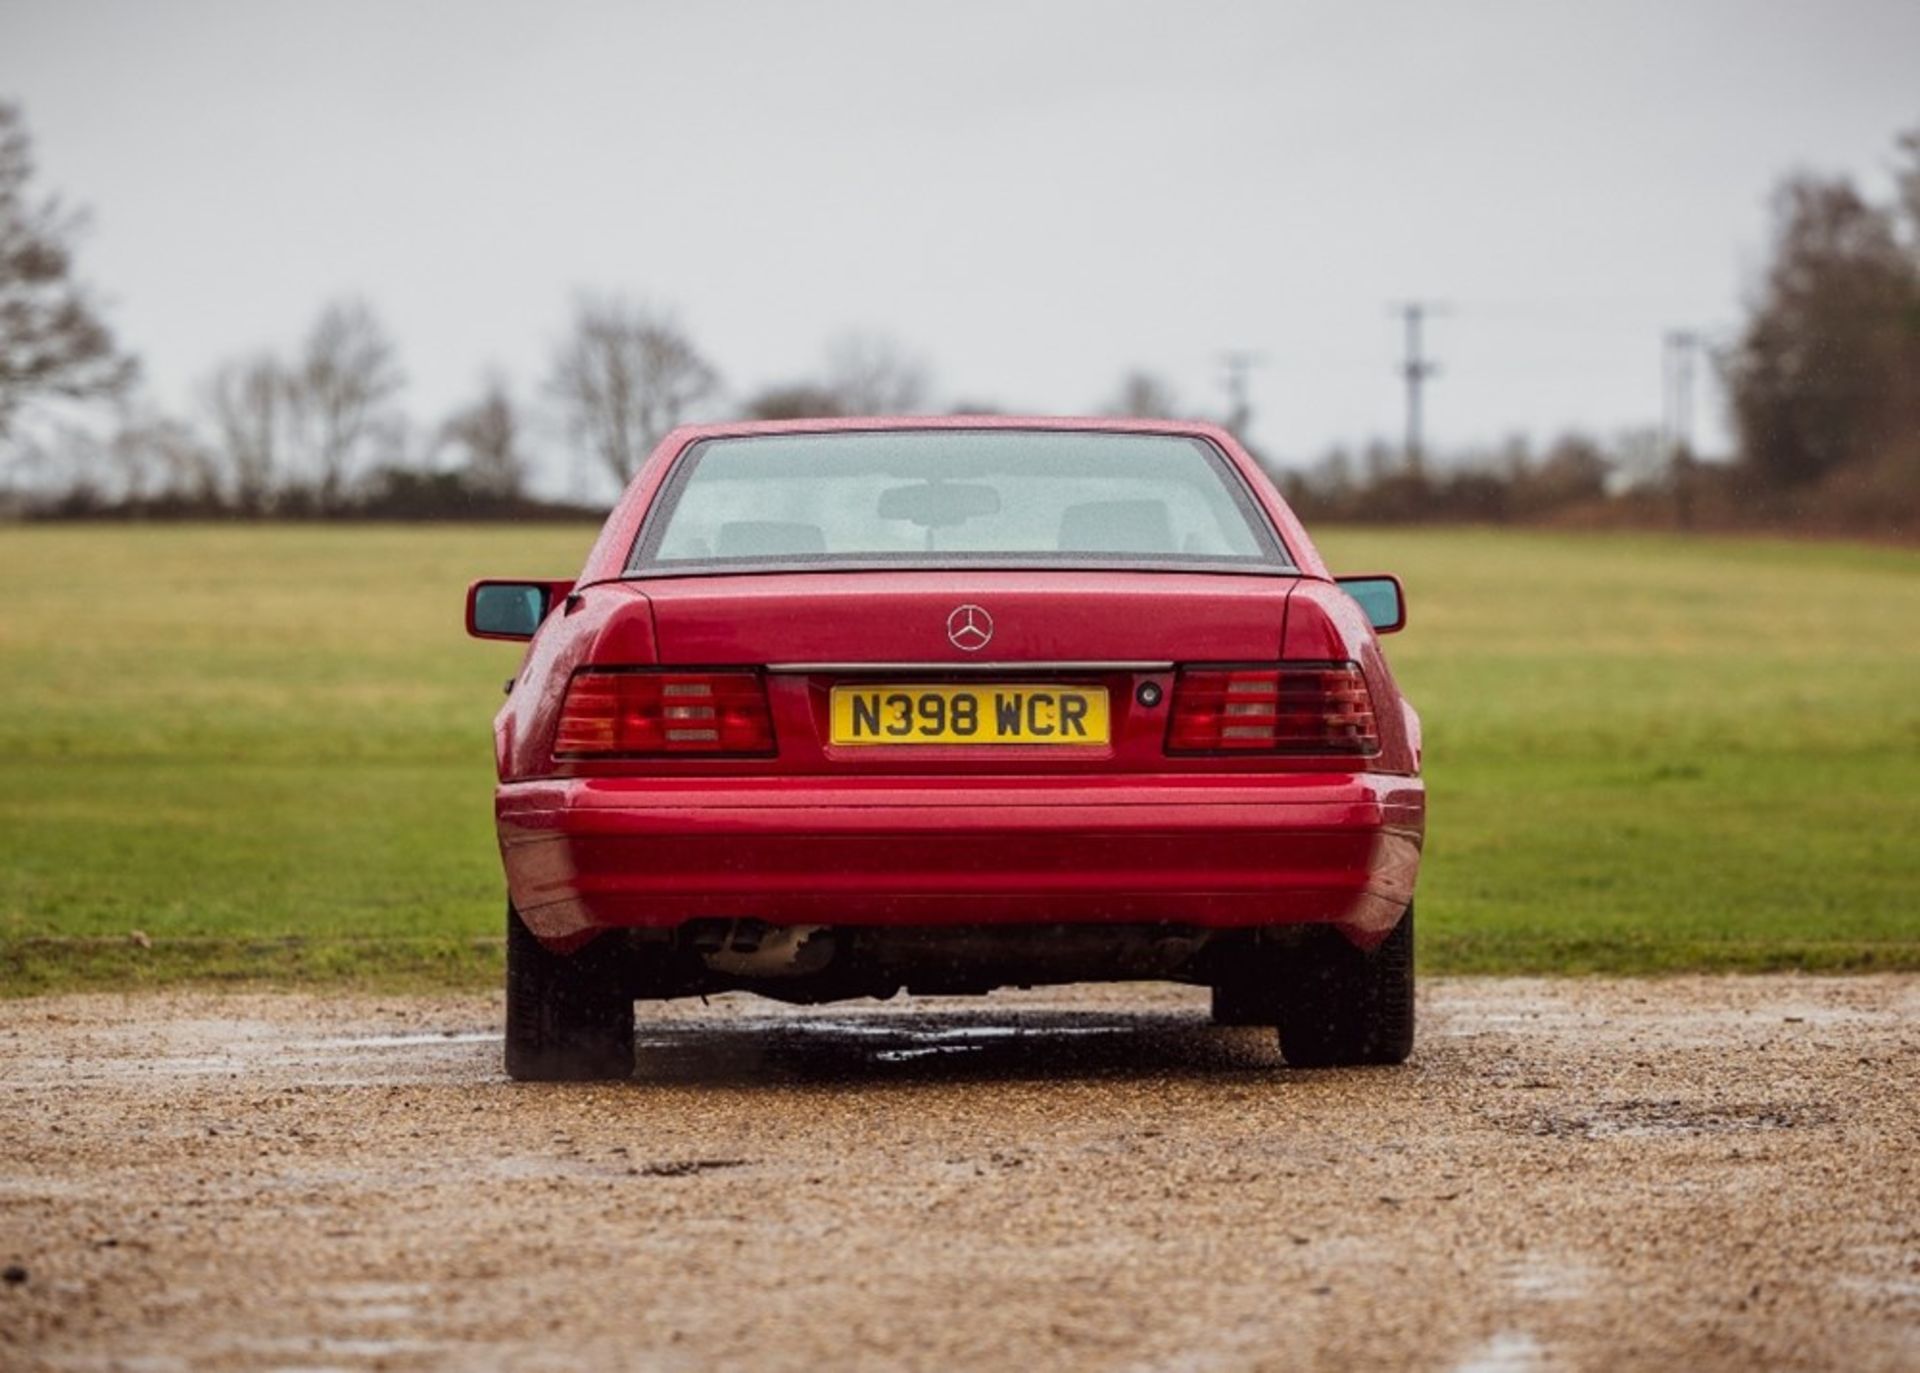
{"points": [[1822, 382], [322, 430]]}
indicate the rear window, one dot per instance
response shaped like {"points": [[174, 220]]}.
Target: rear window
{"points": [[936, 498]]}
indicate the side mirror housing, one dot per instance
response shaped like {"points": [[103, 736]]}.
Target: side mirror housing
{"points": [[1381, 596], [510, 610]]}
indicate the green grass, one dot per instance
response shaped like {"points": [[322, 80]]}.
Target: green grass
{"points": [[266, 750], [1647, 753]]}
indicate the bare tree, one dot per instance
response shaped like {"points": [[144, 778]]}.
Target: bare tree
{"points": [[802, 400], [1379, 460], [136, 462], [185, 464], [1573, 471], [1640, 458], [68, 463], [872, 374], [337, 394], [626, 375], [1142, 395], [144, 456], [1333, 475], [487, 435], [52, 341], [248, 402]]}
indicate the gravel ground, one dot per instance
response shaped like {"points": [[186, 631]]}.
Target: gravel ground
{"points": [[1716, 1173]]}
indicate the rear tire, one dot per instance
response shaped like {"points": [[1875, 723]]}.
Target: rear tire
{"points": [[1341, 1007], [569, 1016], [1247, 1001]]}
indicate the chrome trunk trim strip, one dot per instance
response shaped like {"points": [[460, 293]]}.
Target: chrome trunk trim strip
{"points": [[973, 665]]}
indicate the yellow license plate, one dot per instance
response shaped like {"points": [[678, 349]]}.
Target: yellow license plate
{"points": [[998, 714]]}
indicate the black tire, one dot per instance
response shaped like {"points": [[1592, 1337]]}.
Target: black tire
{"points": [[569, 1016], [1341, 1007], [1243, 1000]]}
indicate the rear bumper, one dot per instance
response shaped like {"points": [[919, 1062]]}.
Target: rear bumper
{"points": [[589, 854]]}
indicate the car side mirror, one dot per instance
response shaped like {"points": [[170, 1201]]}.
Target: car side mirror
{"points": [[1382, 598], [510, 610]]}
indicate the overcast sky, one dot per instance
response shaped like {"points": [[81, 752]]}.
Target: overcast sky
{"points": [[1035, 196]]}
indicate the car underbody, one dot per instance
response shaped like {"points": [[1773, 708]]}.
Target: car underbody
{"points": [[808, 964]]}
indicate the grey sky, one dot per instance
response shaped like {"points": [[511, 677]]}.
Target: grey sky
{"points": [[1034, 195]]}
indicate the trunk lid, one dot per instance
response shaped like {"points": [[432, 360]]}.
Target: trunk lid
{"points": [[895, 618], [1046, 633]]}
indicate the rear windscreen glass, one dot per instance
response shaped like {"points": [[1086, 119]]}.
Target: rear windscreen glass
{"points": [[945, 498]]}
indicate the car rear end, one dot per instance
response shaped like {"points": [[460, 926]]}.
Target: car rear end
{"points": [[1220, 782], [749, 757]]}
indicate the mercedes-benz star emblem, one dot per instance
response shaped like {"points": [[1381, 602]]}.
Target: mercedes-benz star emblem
{"points": [[969, 627]]}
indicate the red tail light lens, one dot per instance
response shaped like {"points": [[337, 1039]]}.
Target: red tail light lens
{"points": [[615, 714], [1296, 708]]}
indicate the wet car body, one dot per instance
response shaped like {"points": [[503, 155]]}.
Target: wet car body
{"points": [[1116, 757]]}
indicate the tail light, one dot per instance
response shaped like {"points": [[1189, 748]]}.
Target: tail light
{"points": [[1294, 708], [625, 714]]}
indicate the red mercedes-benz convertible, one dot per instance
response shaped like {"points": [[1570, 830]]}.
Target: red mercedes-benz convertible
{"points": [[841, 708]]}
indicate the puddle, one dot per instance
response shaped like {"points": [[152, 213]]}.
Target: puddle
{"points": [[914, 1042], [1652, 1119], [845, 1046], [312, 1352], [410, 1041], [378, 1291], [1905, 1291], [1511, 1351], [961, 1032], [931, 1051], [1546, 1278]]}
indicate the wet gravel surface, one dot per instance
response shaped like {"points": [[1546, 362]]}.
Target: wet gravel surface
{"points": [[1716, 1173]]}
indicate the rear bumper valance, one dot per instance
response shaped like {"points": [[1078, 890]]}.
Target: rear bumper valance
{"points": [[589, 854]]}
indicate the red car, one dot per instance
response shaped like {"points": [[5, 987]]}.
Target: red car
{"points": [[841, 708]]}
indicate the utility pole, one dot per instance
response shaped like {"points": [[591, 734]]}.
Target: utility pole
{"points": [[1239, 363], [1415, 367], [1677, 419]]}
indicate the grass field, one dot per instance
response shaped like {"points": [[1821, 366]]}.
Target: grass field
{"points": [[265, 750]]}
